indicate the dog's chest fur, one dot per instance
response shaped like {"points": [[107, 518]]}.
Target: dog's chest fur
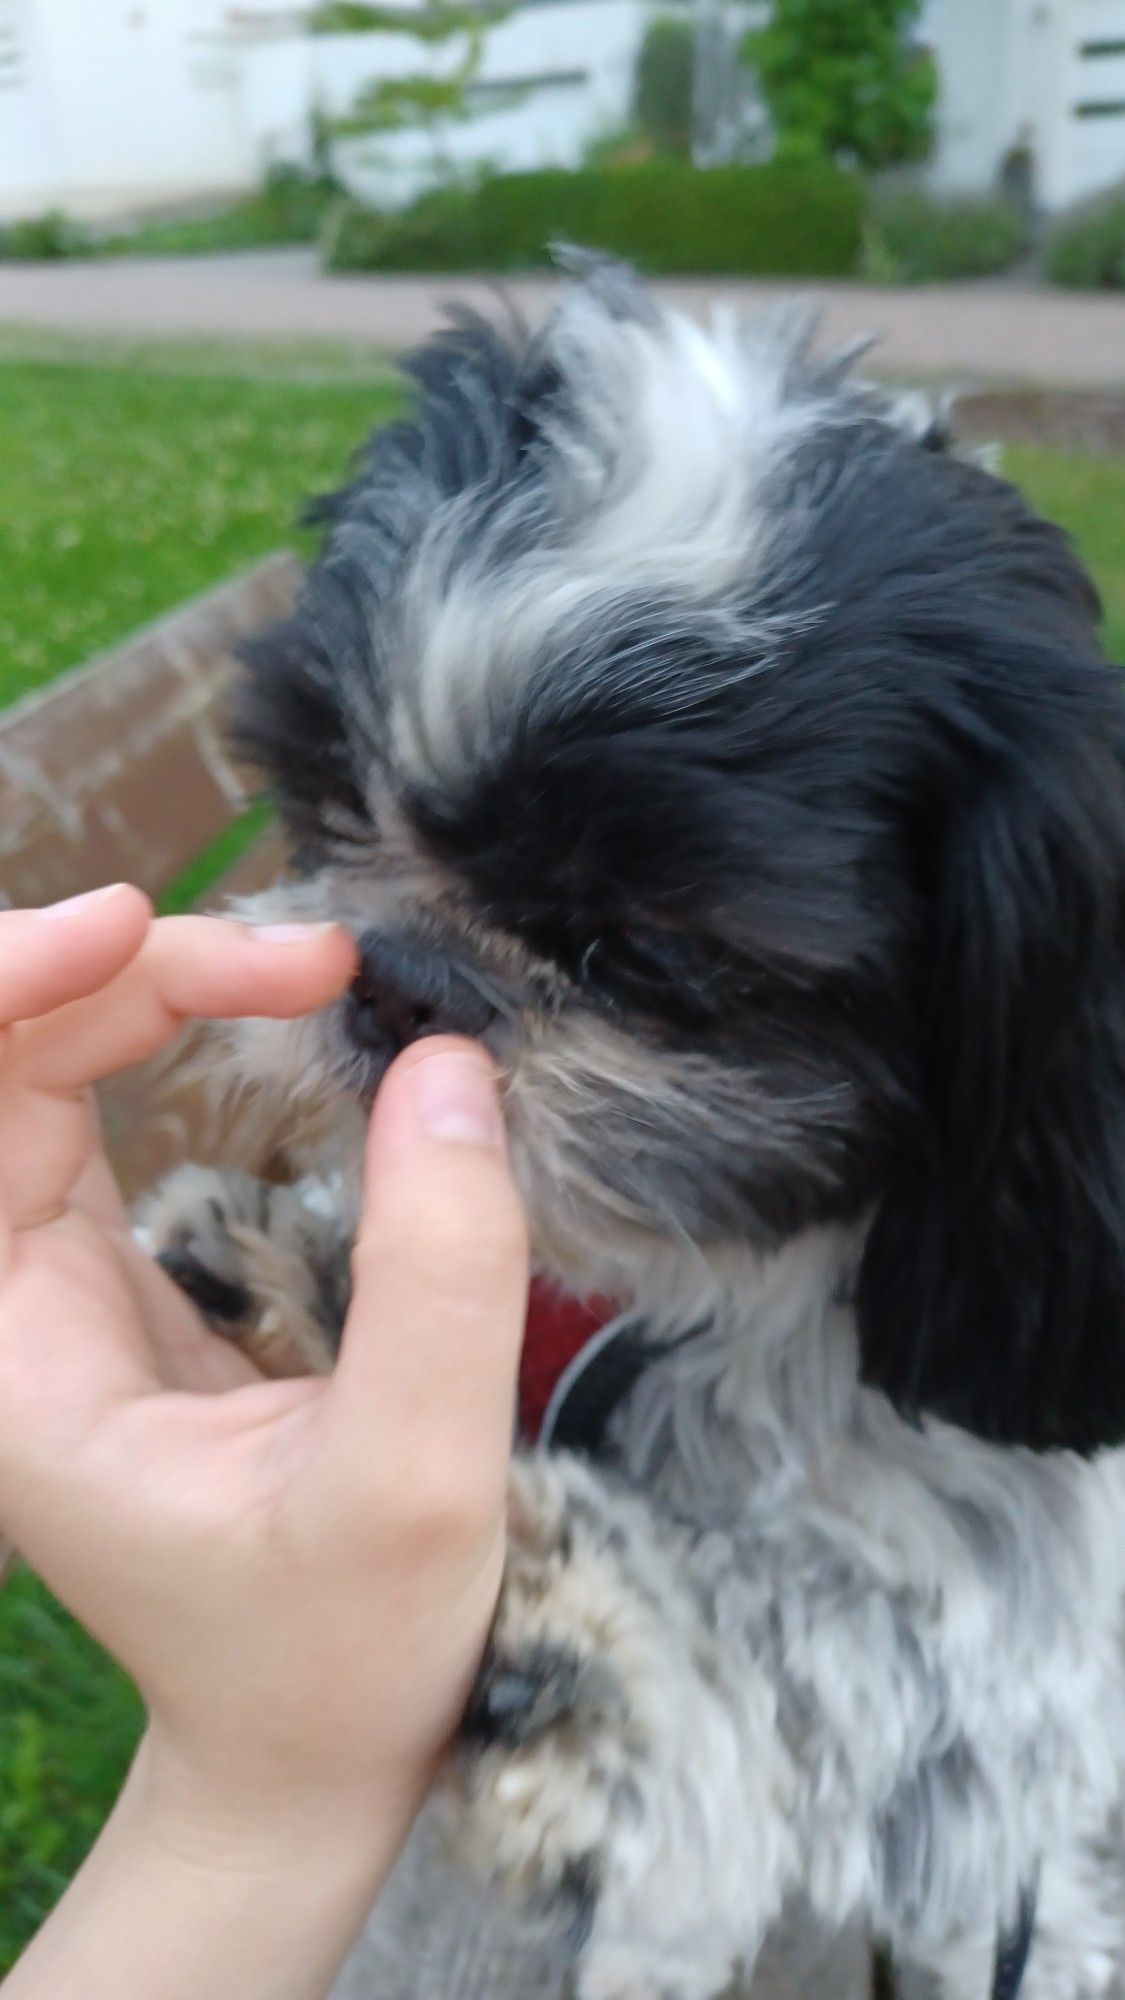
{"points": [[853, 1550]]}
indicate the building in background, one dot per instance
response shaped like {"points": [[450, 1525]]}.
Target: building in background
{"points": [[1032, 94], [108, 105], [555, 76], [114, 106], [119, 106]]}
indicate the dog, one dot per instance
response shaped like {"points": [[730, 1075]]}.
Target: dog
{"points": [[677, 714]]}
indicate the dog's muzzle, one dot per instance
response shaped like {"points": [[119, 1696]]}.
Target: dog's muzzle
{"points": [[404, 990]]}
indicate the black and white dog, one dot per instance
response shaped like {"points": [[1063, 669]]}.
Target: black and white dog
{"points": [[669, 711]]}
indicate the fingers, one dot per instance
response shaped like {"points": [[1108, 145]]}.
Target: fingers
{"points": [[63, 953], [425, 1385], [187, 966]]}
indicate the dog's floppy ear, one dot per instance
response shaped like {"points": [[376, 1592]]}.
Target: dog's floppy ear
{"points": [[992, 1290]]}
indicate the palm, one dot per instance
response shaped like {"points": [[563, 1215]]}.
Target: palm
{"points": [[81, 1274], [79, 1302]]}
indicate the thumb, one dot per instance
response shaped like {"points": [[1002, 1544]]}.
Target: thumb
{"points": [[425, 1383]]}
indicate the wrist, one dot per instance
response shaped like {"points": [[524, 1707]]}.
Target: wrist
{"points": [[188, 1890], [269, 1826]]}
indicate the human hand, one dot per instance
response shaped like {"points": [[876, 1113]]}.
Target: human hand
{"points": [[298, 1574]]}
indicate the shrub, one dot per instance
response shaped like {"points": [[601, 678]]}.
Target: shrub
{"points": [[915, 238], [843, 82], [42, 237], [289, 207], [662, 91], [665, 216], [1087, 247]]}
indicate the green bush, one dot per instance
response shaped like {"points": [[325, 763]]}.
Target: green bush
{"points": [[42, 237], [842, 80], [662, 91], [289, 207], [916, 238], [665, 216], [1087, 247]]}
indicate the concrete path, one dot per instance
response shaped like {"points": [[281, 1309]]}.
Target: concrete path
{"points": [[993, 332]]}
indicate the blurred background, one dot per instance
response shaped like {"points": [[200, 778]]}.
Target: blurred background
{"points": [[219, 226]]}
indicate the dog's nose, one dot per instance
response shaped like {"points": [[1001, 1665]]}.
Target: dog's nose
{"points": [[405, 989]]}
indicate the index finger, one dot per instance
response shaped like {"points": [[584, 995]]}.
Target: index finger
{"points": [[188, 966], [68, 950]]}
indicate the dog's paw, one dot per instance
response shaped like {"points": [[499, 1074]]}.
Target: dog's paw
{"points": [[553, 1740], [262, 1265], [557, 1768], [574, 1784]]}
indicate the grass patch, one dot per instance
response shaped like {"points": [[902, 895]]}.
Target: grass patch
{"points": [[124, 491], [69, 1721], [1085, 494], [220, 854], [354, 362]]}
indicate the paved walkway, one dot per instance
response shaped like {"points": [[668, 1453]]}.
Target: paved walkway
{"points": [[996, 332]]}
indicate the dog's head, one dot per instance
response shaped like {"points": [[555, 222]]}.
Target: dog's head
{"points": [[666, 711]]}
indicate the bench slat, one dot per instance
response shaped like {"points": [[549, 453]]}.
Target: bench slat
{"points": [[118, 769]]}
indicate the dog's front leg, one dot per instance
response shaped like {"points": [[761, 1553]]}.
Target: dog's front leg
{"points": [[267, 1266], [602, 1770]]}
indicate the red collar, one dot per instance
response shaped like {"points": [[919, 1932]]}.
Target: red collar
{"points": [[558, 1328]]}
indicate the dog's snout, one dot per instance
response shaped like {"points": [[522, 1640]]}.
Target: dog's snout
{"points": [[405, 989]]}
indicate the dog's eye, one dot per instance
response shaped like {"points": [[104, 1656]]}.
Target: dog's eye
{"points": [[649, 967]]}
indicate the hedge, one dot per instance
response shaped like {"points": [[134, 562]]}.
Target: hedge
{"points": [[918, 238], [1087, 248], [803, 222]]}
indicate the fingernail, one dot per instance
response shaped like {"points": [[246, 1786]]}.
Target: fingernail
{"points": [[454, 1097], [74, 903], [289, 933]]}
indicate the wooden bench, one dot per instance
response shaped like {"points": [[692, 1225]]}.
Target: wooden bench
{"points": [[118, 771]]}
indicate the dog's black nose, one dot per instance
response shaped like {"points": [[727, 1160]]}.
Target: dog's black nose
{"points": [[405, 989]]}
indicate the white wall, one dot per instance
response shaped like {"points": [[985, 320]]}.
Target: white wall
{"points": [[569, 64], [122, 103], [29, 146], [1091, 154], [1040, 74]]}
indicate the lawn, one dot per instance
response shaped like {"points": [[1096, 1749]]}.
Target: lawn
{"points": [[1086, 495], [126, 483], [125, 490]]}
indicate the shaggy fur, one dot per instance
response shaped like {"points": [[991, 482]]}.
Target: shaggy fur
{"points": [[673, 713]]}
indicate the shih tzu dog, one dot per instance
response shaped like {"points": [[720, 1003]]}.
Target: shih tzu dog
{"points": [[674, 714]]}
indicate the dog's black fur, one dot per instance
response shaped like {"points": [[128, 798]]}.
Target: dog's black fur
{"points": [[888, 848]]}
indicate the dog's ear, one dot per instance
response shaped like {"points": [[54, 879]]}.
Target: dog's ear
{"points": [[992, 1289]]}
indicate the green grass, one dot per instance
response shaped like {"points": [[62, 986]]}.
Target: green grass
{"points": [[1086, 496], [128, 480], [125, 490], [68, 1723], [358, 363]]}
